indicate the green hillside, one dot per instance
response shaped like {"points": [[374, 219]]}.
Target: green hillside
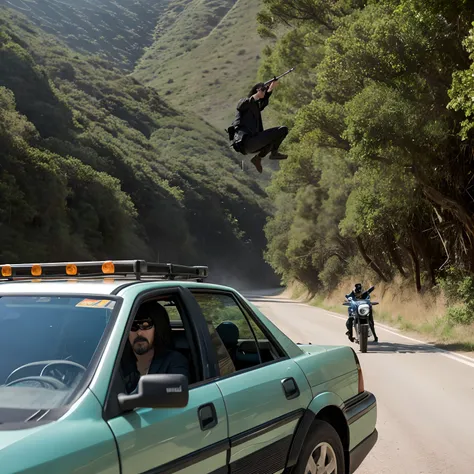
{"points": [[184, 23], [205, 57], [115, 30], [201, 54], [95, 165]]}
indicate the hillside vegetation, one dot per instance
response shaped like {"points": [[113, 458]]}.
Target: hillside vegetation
{"points": [[114, 30], [205, 57], [95, 165], [201, 56], [381, 167]]}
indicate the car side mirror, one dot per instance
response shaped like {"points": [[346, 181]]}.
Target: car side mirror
{"points": [[157, 391]]}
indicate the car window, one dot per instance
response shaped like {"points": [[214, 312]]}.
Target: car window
{"points": [[46, 347], [172, 310], [169, 343], [234, 330], [218, 308], [226, 366]]}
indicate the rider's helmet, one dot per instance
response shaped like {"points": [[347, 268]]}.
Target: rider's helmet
{"points": [[358, 290]]}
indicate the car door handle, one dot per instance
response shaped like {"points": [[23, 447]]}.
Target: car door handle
{"points": [[290, 387], [207, 416]]}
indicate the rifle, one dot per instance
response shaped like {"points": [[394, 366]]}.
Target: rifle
{"points": [[266, 84]]}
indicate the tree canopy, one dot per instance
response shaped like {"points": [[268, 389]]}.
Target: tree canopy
{"points": [[381, 169]]}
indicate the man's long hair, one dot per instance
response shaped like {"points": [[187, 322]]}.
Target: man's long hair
{"points": [[255, 88], [163, 340], [161, 320]]}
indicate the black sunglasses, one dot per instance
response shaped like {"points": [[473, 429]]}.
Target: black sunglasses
{"points": [[143, 324]]}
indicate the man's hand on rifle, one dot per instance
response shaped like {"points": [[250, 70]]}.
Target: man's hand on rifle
{"points": [[272, 85]]}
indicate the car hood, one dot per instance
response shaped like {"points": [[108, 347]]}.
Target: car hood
{"points": [[9, 437], [53, 446]]}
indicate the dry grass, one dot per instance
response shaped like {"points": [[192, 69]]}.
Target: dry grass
{"points": [[422, 315], [297, 291]]}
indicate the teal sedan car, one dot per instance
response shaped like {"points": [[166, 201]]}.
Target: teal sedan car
{"points": [[127, 367]]}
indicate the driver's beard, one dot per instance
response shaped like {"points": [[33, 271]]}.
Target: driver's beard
{"points": [[141, 347]]}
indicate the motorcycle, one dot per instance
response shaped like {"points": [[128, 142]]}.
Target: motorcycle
{"points": [[361, 311]]}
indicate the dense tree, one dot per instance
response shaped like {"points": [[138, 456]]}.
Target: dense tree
{"points": [[384, 95]]}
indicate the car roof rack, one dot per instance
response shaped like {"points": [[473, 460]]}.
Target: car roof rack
{"points": [[128, 269]]}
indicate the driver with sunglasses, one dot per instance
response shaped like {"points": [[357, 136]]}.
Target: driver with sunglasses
{"points": [[151, 346]]}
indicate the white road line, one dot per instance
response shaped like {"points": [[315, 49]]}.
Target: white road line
{"points": [[455, 357], [451, 355], [469, 361]]}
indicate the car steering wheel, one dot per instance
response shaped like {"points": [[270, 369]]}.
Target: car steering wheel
{"points": [[59, 375], [52, 373], [46, 382]]}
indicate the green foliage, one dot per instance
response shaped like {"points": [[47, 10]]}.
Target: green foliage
{"points": [[96, 165], [332, 272], [303, 233], [463, 89], [53, 204], [388, 165], [461, 314], [459, 291]]}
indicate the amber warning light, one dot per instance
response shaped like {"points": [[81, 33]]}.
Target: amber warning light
{"points": [[7, 271], [71, 269], [108, 268], [36, 270]]}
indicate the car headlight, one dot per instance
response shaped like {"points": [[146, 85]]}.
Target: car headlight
{"points": [[364, 309]]}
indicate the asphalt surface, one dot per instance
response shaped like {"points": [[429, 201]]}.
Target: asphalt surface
{"points": [[425, 396]]}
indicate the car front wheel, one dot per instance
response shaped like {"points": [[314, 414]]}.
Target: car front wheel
{"points": [[322, 452]]}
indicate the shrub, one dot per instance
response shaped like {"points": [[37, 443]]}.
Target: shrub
{"points": [[459, 292], [331, 273]]}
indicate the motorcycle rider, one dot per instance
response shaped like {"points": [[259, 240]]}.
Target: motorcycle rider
{"points": [[358, 294]]}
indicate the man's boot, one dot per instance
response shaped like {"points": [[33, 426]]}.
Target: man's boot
{"points": [[257, 162], [276, 155], [350, 336]]}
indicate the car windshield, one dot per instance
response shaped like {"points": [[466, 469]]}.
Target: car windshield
{"points": [[46, 347]]}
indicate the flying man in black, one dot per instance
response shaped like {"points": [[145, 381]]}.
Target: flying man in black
{"points": [[247, 133]]}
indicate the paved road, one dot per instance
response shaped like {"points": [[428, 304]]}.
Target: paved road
{"points": [[425, 396]]}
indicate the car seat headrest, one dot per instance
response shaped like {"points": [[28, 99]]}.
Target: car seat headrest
{"points": [[229, 333]]}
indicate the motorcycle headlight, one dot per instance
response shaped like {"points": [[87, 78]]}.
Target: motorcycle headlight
{"points": [[364, 309]]}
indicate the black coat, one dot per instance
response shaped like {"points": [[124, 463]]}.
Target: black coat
{"points": [[248, 118], [165, 362]]}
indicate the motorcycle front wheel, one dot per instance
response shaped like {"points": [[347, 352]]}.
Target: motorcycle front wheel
{"points": [[364, 336]]}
